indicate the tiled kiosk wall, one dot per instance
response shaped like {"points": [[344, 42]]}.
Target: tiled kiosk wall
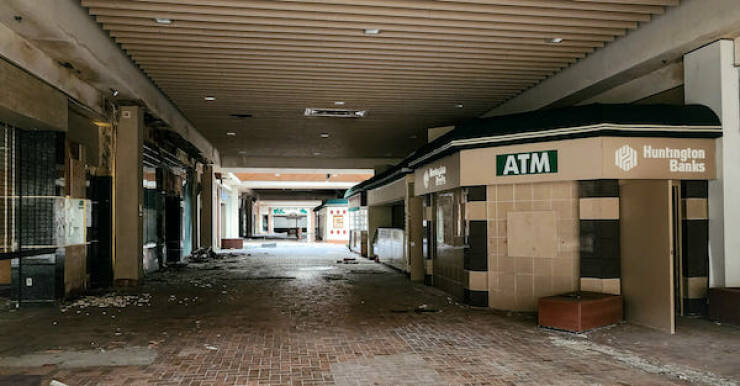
{"points": [[695, 245], [532, 242], [476, 254], [599, 236]]}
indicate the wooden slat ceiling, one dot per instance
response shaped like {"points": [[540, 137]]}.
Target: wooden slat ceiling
{"points": [[274, 58]]}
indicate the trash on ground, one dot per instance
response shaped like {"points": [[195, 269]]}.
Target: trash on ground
{"points": [[110, 300]]}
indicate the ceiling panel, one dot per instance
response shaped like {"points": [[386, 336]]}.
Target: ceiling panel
{"points": [[433, 63]]}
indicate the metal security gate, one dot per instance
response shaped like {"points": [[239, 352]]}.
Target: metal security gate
{"points": [[29, 193]]}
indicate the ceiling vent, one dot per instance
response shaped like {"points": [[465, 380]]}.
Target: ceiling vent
{"points": [[334, 113]]}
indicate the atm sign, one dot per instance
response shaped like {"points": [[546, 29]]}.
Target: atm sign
{"points": [[519, 164]]}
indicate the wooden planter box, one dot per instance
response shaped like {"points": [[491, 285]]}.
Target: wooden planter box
{"points": [[232, 243], [580, 311], [724, 304]]}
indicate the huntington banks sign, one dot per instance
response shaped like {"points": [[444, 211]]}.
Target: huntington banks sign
{"points": [[520, 164]]}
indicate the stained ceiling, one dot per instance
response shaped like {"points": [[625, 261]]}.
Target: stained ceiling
{"points": [[411, 64]]}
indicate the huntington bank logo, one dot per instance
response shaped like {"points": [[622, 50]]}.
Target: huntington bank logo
{"points": [[625, 158]]}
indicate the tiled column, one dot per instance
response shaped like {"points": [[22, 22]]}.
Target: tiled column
{"points": [[695, 246], [599, 229], [476, 253], [206, 201], [129, 197]]}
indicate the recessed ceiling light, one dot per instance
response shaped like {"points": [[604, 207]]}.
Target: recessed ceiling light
{"points": [[209, 98], [372, 31], [277, 174], [324, 135], [459, 105], [554, 40], [163, 20], [335, 175], [339, 103], [243, 152], [114, 92], [231, 134], [316, 153]]}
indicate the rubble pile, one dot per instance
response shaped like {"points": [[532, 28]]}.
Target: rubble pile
{"points": [[203, 254], [110, 300]]}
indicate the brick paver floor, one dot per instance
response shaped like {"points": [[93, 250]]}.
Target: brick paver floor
{"points": [[292, 315]]}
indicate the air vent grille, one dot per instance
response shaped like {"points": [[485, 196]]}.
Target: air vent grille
{"points": [[334, 113]]}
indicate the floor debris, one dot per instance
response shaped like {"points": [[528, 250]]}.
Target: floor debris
{"points": [[110, 300]]}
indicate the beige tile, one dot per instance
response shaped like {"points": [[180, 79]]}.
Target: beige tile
{"points": [[492, 229], [696, 287], [476, 211], [429, 266], [492, 246], [563, 267], [508, 264], [524, 285], [591, 284], [542, 286], [542, 266], [501, 228], [524, 265], [565, 209], [491, 211], [503, 300], [523, 192], [491, 193], [503, 209], [562, 284], [522, 205], [695, 209], [561, 190], [611, 286], [506, 282], [493, 279], [478, 281], [504, 193], [541, 191], [542, 205], [602, 208], [503, 246]]}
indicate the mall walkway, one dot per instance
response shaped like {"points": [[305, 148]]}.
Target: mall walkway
{"points": [[290, 314]]}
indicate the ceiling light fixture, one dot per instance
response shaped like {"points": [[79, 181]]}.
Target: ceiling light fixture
{"points": [[554, 40], [231, 134], [163, 20], [324, 135], [459, 105], [316, 153], [209, 98], [277, 174], [372, 31], [114, 92], [242, 152], [339, 103]]}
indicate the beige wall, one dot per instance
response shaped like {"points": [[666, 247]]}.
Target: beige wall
{"points": [[5, 272], [29, 103], [516, 282], [129, 192]]}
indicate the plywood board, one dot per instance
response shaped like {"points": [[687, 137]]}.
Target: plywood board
{"points": [[646, 261], [532, 234]]}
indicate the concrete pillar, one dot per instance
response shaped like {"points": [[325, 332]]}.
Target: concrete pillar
{"points": [[414, 236], [377, 217], [129, 197], [711, 79], [206, 210]]}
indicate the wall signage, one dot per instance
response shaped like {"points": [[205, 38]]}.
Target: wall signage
{"points": [[289, 211], [435, 176], [680, 160], [519, 164]]}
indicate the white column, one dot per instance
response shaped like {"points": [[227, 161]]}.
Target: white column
{"points": [[711, 79]]}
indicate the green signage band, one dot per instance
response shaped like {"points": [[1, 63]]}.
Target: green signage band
{"points": [[520, 164]]}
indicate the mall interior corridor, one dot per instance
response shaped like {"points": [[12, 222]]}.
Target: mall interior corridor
{"points": [[295, 314]]}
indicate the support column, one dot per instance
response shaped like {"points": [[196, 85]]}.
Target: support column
{"points": [[128, 199], [206, 200], [414, 230], [711, 79]]}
